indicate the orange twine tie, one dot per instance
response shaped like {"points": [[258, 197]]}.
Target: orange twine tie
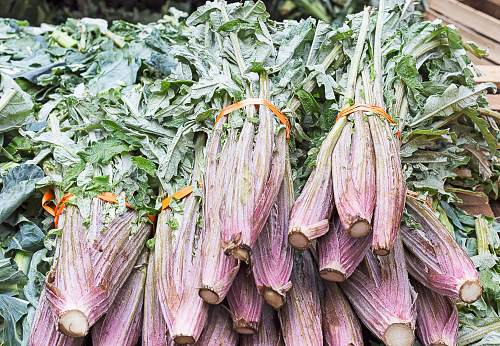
{"points": [[367, 108], [256, 101]]}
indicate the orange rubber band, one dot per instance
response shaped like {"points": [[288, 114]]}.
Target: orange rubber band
{"points": [[178, 195], [366, 108], [57, 210], [256, 101], [413, 195]]}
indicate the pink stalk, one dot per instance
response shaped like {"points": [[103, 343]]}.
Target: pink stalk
{"points": [[437, 318], [273, 256], [219, 270], [154, 327], [245, 304], [383, 298], [240, 199], [91, 267], [269, 333], [44, 328], [353, 172], [300, 317], [338, 254], [179, 266], [219, 330], [435, 258], [311, 211], [340, 325], [123, 321]]}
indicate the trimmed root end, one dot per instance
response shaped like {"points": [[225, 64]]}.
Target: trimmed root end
{"points": [[240, 252], [273, 298], [399, 334], [241, 326], [299, 240], [359, 229], [440, 343], [209, 296], [470, 291], [380, 252], [332, 275], [184, 339], [73, 323]]}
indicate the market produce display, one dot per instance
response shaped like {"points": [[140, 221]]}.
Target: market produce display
{"points": [[229, 179]]}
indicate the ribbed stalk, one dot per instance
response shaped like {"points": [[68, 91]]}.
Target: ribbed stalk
{"points": [[122, 323], [154, 327], [339, 255], [340, 325], [273, 255], [245, 304], [269, 333], [435, 258], [179, 267], [312, 210], [437, 317], [300, 317], [353, 172], [382, 297], [219, 270], [72, 287], [219, 330], [44, 328]]}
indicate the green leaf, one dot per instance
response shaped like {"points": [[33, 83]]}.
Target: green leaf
{"points": [[18, 185], [9, 274], [12, 310], [308, 102], [144, 164], [15, 104], [454, 99], [103, 152]]}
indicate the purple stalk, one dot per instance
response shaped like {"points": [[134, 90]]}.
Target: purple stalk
{"points": [[300, 317], [154, 327], [273, 256], [340, 324], [269, 333], [240, 199], [123, 321], [44, 327], [219, 270], [179, 266], [353, 172], [219, 330], [338, 254], [91, 267], [437, 318], [383, 298], [245, 304], [311, 211], [435, 258]]}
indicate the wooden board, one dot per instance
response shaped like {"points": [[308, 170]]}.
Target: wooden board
{"points": [[470, 35], [474, 205], [490, 7], [494, 101], [476, 20], [491, 74]]}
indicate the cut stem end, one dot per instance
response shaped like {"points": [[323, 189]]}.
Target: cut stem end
{"points": [[470, 291], [184, 339], [209, 296], [241, 326], [399, 334], [299, 240], [73, 323], [272, 297], [380, 252], [359, 229], [332, 275]]}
